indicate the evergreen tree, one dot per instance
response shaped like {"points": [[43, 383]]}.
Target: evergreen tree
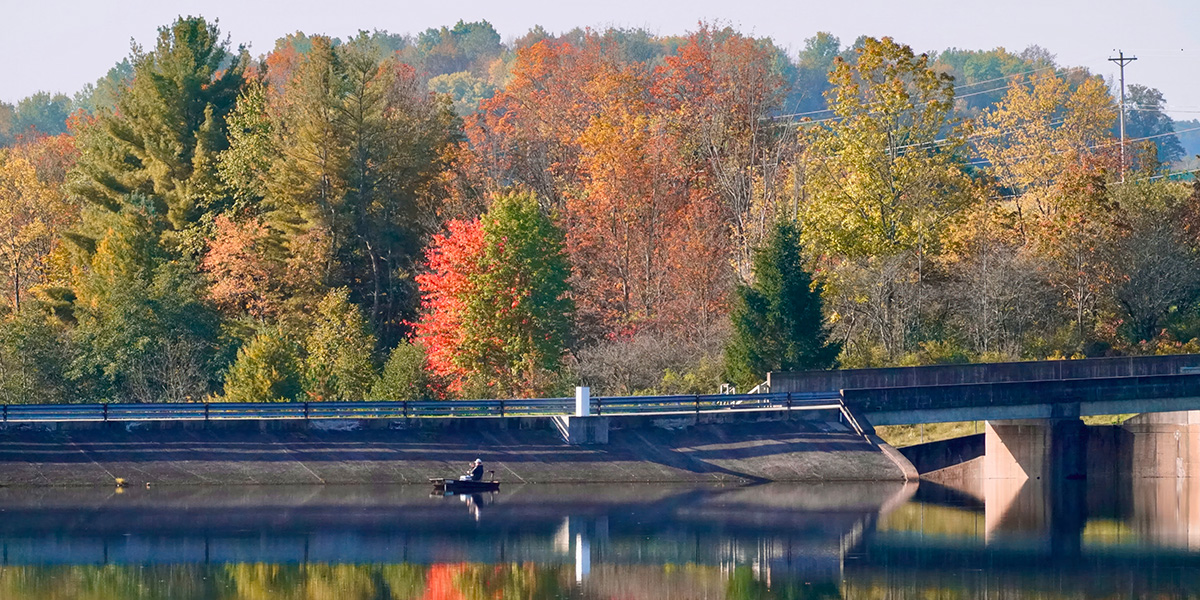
{"points": [[339, 348], [358, 149], [267, 370], [777, 322], [162, 139]]}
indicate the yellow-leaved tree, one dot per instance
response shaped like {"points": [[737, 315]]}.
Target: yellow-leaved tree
{"points": [[882, 179], [33, 212]]}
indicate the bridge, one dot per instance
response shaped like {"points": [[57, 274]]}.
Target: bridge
{"points": [[1032, 412]]}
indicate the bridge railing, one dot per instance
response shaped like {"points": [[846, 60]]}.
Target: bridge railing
{"points": [[521, 407]]}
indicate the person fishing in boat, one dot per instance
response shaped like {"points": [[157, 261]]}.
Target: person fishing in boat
{"points": [[476, 473]]}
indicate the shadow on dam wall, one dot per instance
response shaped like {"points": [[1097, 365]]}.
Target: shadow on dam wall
{"points": [[729, 447]]}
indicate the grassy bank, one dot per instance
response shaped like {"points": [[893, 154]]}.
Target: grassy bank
{"points": [[908, 435]]}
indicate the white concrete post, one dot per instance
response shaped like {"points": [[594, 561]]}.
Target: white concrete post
{"points": [[583, 401]]}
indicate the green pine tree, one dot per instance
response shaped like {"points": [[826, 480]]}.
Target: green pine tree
{"points": [[777, 322], [161, 142]]}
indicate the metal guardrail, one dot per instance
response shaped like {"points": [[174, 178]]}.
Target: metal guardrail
{"points": [[232, 411]]}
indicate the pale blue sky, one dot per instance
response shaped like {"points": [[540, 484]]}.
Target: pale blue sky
{"points": [[59, 45]]}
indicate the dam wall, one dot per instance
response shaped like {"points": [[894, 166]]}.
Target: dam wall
{"points": [[743, 447]]}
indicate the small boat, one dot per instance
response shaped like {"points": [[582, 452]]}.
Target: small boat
{"points": [[463, 486]]}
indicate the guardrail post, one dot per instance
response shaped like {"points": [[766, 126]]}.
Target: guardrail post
{"points": [[501, 407], [305, 410], [205, 412], [105, 412], [404, 407], [789, 402], [697, 408]]}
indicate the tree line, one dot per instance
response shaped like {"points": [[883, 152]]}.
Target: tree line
{"points": [[448, 216]]}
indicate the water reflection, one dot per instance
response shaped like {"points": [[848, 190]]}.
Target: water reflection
{"points": [[997, 539]]}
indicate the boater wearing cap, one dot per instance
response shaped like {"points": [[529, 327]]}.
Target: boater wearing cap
{"points": [[477, 472]]}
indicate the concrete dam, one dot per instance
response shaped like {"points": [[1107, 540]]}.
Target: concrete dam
{"points": [[733, 447]]}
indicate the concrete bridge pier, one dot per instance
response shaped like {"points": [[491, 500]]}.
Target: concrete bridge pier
{"points": [[1048, 449], [1165, 444]]}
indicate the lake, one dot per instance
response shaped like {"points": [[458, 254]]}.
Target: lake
{"points": [[994, 539]]}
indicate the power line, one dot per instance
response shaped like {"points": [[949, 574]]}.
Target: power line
{"points": [[955, 87], [1160, 176], [835, 118], [1096, 147]]}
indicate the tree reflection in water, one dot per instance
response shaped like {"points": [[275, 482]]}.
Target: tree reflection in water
{"points": [[769, 542]]}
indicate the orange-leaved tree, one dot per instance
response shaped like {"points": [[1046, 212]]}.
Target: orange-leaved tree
{"points": [[497, 311]]}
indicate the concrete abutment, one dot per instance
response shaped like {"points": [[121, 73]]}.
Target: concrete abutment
{"points": [[1159, 445]]}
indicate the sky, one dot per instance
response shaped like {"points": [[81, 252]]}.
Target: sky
{"points": [[60, 45]]}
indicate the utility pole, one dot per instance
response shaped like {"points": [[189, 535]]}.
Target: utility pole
{"points": [[1122, 61]]}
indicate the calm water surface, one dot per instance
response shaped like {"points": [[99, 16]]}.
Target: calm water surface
{"points": [[1131, 539]]}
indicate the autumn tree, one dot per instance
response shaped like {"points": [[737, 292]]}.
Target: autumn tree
{"points": [[997, 294], [1037, 135], [626, 152], [633, 219], [886, 174], [497, 310], [884, 177], [721, 90], [1156, 262], [1048, 146], [778, 323], [34, 212], [244, 265]]}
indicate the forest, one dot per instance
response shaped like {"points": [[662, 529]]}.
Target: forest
{"points": [[450, 215]]}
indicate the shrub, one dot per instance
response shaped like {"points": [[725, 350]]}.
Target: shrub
{"points": [[339, 351], [404, 375], [266, 370]]}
